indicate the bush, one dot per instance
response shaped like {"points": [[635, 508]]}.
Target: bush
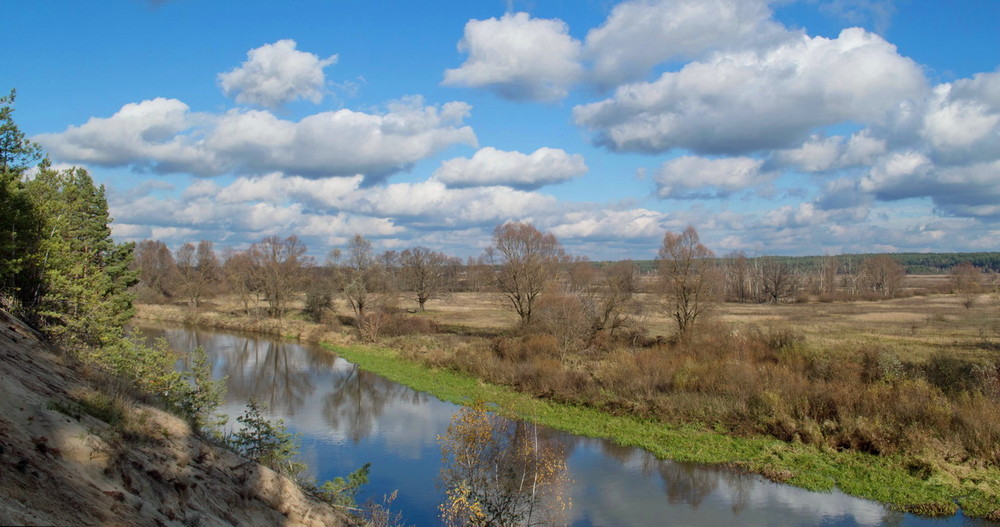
{"points": [[342, 492], [198, 400], [266, 442], [319, 304], [954, 375]]}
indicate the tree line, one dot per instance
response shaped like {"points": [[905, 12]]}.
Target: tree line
{"points": [[545, 287]]}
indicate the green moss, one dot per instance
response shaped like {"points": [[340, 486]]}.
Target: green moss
{"points": [[888, 479]]}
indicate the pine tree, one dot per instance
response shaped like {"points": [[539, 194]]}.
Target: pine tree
{"points": [[83, 276], [19, 226]]}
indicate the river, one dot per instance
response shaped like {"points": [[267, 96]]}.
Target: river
{"points": [[347, 417]]}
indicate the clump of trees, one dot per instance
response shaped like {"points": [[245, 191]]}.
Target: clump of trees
{"points": [[59, 267]]}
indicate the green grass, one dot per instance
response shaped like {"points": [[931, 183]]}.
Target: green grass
{"points": [[888, 479]]}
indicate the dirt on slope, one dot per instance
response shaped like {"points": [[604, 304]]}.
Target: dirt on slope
{"points": [[61, 466]]}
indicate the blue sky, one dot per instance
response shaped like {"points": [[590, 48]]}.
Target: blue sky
{"points": [[788, 127]]}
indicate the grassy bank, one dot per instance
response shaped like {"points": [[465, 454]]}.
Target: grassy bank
{"points": [[901, 481]]}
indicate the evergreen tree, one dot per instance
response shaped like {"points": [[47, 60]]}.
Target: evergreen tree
{"points": [[19, 225], [82, 275]]}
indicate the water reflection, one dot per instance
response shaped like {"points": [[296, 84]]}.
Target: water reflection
{"points": [[347, 417], [359, 399]]}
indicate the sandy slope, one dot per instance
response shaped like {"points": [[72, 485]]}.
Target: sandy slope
{"points": [[57, 469]]}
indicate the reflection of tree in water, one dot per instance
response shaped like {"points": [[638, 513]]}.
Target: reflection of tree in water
{"points": [[265, 370], [687, 482], [358, 400], [498, 472]]}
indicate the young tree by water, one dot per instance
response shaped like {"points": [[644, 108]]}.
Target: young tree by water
{"points": [[498, 472]]}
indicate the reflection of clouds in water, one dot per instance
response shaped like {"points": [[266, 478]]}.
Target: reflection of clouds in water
{"points": [[623, 486], [819, 505]]}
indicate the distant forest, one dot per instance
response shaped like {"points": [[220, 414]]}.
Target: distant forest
{"points": [[913, 263]]}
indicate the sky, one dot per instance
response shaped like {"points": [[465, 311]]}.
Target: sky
{"points": [[773, 127]]}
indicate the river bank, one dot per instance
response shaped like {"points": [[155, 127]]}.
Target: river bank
{"points": [[71, 456], [897, 480]]}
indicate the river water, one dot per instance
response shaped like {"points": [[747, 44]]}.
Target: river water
{"points": [[347, 417]]}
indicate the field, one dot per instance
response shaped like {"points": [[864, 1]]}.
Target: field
{"points": [[914, 326]]}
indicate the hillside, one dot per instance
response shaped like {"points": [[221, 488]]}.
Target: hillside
{"points": [[60, 465]]}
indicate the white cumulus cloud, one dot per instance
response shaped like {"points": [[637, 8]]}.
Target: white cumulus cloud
{"points": [[693, 177], [518, 57], [739, 102], [490, 166], [162, 134], [820, 154], [276, 74], [640, 34], [963, 118]]}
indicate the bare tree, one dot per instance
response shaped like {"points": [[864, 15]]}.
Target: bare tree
{"points": [[525, 260], [424, 273], [778, 279], [739, 278], [199, 269], [966, 280], [360, 275], [158, 274], [828, 275], [881, 275], [685, 269], [611, 303], [280, 265], [243, 279]]}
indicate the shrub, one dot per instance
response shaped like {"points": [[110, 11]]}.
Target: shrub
{"points": [[266, 442], [342, 492], [198, 400], [954, 375], [881, 365], [319, 304]]}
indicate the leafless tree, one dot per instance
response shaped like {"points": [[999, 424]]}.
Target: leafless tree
{"points": [[966, 280], [685, 270], [828, 274], [280, 265], [778, 279], [158, 275], [360, 274], [244, 279], [424, 273], [524, 260], [850, 281], [612, 304], [739, 277], [199, 269], [881, 275]]}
